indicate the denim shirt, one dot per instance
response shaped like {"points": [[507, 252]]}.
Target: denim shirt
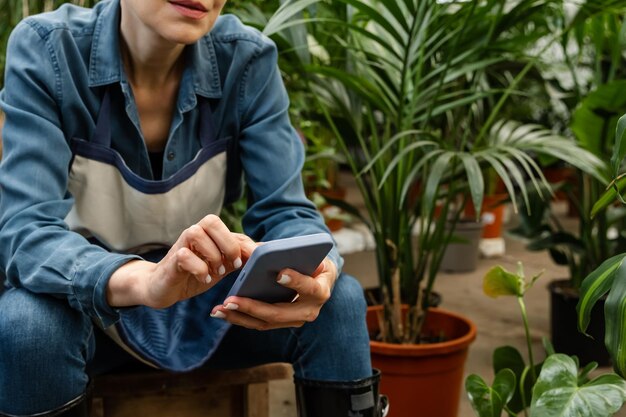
{"points": [[58, 66]]}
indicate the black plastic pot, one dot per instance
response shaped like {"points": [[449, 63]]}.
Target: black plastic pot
{"points": [[564, 331]]}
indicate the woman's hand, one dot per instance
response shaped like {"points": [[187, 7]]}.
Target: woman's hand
{"points": [[202, 255], [313, 291]]}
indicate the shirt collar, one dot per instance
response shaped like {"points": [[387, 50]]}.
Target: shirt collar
{"points": [[105, 63]]}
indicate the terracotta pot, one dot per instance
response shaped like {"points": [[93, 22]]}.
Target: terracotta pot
{"points": [[424, 379]]}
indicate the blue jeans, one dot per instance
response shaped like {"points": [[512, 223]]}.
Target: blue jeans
{"points": [[48, 350]]}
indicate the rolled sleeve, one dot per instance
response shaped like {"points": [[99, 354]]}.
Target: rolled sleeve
{"points": [[38, 252]]}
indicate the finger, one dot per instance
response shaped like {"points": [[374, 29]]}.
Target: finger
{"points": [[223, 239], [198, 241], [320, 268], [250, 322], [187, 262], [246, 244], [306, 286], [278, 314]]}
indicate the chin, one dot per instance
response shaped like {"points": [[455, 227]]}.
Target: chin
{"points": [[185, 36]]}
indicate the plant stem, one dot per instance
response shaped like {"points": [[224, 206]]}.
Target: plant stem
{"points": [[531, 361]]}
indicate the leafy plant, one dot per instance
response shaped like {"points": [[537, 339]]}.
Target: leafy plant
{"points": [[593, 66], [415, 107], [555, 387], [609, 279]]}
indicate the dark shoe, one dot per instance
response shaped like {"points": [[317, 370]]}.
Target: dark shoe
{"points": [[358, 398]]}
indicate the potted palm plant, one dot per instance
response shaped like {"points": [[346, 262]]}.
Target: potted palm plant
{"points": [[411, 108]]}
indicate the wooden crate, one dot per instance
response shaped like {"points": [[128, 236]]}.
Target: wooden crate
{"points": [[201, 393]]}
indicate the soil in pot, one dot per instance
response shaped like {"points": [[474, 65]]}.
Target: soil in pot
{"points": [[563, 325]]}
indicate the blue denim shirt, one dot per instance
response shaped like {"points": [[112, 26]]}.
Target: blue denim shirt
{"points": [[58, 65]]}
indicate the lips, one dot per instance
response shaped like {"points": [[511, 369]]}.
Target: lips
{"points": [[190, 9]]}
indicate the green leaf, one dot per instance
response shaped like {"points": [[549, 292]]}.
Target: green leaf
{"points": [[499, 282], [284, 14], [508, 357], [612, 193], [557, 393], [619, 151], [490, 401], [438, 169], [595, 120], [475, 179], [594, 287], [615, 319]]}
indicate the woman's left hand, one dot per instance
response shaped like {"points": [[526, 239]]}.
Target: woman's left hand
{"points": [[313, 291]]}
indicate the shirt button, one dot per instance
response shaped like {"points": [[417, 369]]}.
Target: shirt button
{"points": [[171, 156]]}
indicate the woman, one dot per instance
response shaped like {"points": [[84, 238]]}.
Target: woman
{"points": [[128, 126]]}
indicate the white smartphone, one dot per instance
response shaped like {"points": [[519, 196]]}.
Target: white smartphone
{"points": [[257, 278]]}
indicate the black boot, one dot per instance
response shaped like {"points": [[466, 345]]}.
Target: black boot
{"points": [[358, 398]]}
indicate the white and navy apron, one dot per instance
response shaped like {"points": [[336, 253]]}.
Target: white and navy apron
{"points": [[125, 213]]}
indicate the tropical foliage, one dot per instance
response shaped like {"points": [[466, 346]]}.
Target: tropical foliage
{"points": [[587, 80], [609, 279], [554, 387]]}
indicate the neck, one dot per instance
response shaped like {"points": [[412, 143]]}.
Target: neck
{"points": [[149, 60]]}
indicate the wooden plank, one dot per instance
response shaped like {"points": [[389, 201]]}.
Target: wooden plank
{"points": [[257, 402], [221, 402], [173, 384]]}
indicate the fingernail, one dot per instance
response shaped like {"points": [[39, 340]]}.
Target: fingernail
{"points": [[231, 306], [218, 315], [284, 279], [208, 279], [221, 270], [237, 264]]}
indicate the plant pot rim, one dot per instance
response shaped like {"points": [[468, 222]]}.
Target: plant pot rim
{"points": [[563, 287], [428, 349]]}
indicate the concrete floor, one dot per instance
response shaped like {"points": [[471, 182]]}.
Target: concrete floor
{"points": [[498, 320]]}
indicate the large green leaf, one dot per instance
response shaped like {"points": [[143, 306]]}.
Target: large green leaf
{"points": [[615, 318], [558, 394], [594, 122], [490, 401], [594, 287]]}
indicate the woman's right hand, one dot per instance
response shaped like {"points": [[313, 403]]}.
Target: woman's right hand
{"points": [[203, 254]]}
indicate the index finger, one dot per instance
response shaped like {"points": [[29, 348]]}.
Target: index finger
{"points": [[215, 228]]}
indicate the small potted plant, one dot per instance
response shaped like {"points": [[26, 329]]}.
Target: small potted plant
{"points": [[556, 386]]}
